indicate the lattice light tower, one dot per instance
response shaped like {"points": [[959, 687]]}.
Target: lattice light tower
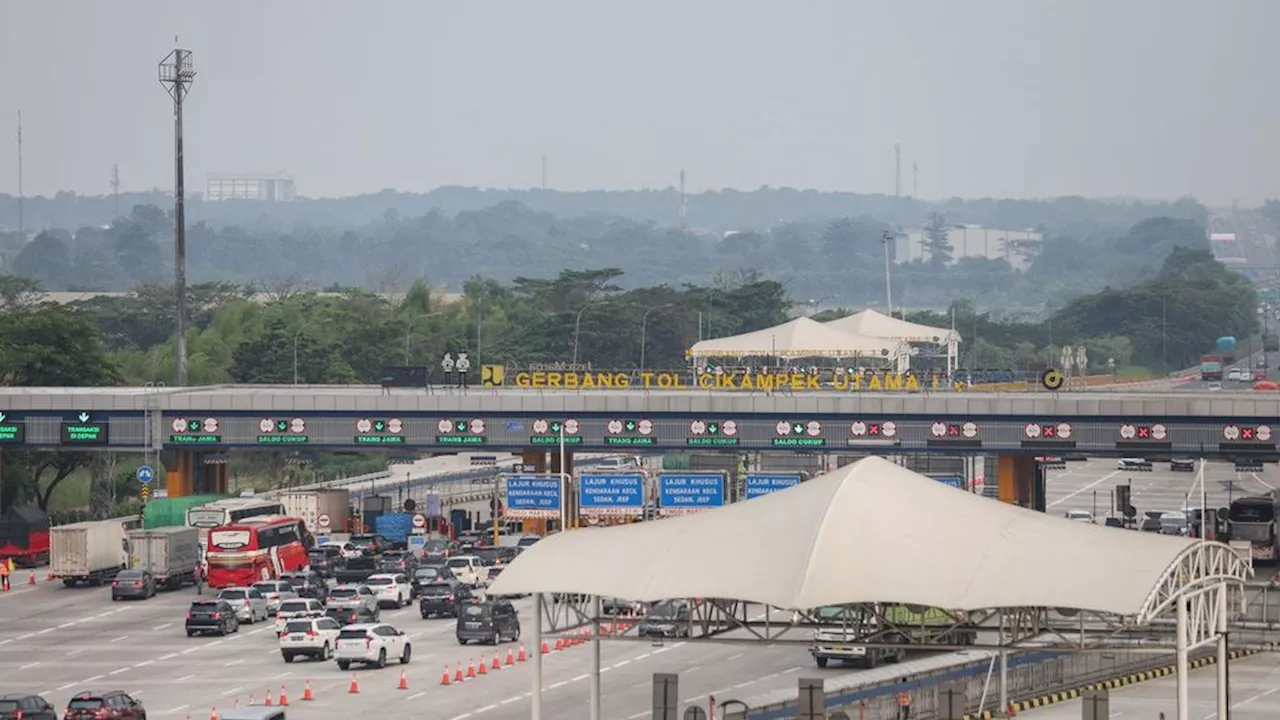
{"points": [[176, 75]]}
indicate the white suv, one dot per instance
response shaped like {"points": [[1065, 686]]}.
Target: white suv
{"points": [[297, 610], [371, 644], [313, 637], [392, 589]]}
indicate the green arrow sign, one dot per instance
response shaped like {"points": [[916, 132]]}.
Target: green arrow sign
{"points": [[631, 426], [281, 426], [84, 417], [797, 428], [461, 425], [713, 429], [379, 426], [555, 426]]}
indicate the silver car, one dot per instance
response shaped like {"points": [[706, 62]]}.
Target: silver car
{"points": [[249, 604], [276, 592], [353, 596]]}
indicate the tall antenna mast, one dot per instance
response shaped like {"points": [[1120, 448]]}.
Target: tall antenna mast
{"points": [[21, 195], [915, 179], [176, 75], [897, 170], [115, 188], [684, 204], [544, 171]]}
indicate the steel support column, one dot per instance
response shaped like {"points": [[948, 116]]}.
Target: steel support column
{"points": [[536, 697], [1224, 697], [1184, 701], [595, 657]]}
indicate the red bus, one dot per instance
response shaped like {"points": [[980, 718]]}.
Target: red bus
{"points": [[256, 548]]}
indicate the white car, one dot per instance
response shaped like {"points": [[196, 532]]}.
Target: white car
{"points": [[1238, 374], [1080, 516], [315, 638], [249, 604], [299, 609], [371, 644], [276, 592], [468, 569], [353, 596], [391, 589]]}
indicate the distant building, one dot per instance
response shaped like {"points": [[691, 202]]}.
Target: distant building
{"points": [[974, 241], [263, 187]]}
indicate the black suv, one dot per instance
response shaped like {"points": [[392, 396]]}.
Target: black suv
{"points": [[488, 621], [308, 584], [211, 616], [324, 560], [398, 561], [16, 706], [1182, 465], [351, 616], [442, 598]]}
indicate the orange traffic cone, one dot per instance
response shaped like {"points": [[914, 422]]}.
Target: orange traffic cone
{"points": [[404, 682], [284, 696], [444, 679], [471, 668], [267, 702], [483, 669], [306, 692], [559, 644], [237, 706], [544, 647], [524, 656], [511, 658], [213, 713], [457, 676], [355, 685], [31, 579], [497, 663]]}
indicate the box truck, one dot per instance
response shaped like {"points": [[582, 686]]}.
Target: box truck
{"points": [[310, 505], [88, 552], [170, 554]]}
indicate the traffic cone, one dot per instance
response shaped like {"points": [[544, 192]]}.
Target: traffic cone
{"points": [[483, 669], [497, 664], [31, 578], [525, 656], [355, 685], [457, 676], [306, 692], [284, 696], [511, 658], [250, 699], [559, 643], [471, 668], [404, 682], [267, 702], [544, 647], [237, 705], [444, 678], [213, 713]]}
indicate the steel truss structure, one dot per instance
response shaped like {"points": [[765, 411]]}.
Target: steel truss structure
{"points": [[1196, 589]]}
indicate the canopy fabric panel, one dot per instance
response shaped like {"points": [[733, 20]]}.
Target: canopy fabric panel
{"points": [[799, 338]]}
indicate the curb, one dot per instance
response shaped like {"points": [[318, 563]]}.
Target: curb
{"points": [[1113, 683]]}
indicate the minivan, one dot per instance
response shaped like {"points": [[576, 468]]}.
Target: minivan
{"points": [[488, 621]]}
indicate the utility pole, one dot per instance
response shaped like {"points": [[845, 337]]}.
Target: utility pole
{"points": [[115, 189], [176, 75], [684, 204], [897, 170], [915, 179], [21, 195], [544, 171]]}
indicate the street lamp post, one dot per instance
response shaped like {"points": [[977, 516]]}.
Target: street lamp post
{"points": [[644, 327], [887, 237], [296, 337], [577, 326]]}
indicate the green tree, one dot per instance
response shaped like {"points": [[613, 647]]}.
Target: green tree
{"points": [[937, 241], [51, 345]]}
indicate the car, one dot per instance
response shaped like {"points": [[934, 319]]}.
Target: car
{"points": [[1182, 465], [616, 606], [392, 589], [275, 591], [443, 598], [353, 616], [324, 559], [1237, 374], [297, 609], [307, 584], [110, 705], [1260, 373], [438, 549], [212, 616], [313, 637], [372, 644], [527, 541], [249, 604], [254, 712], [468, 569], [1140, 464], [487, 621], [670, 618], [26, 707], [427, 575], [370, 543], [353, 596], [1174, 523], [137, 584], [393, 561], [1080, 516]]}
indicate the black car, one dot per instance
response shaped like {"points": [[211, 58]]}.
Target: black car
{"points": [[398, 561], [324, 560], [427, 575], [109, 705], [18, 706], [136, 584], [438, 549], [488, 621], [308, 584], [211, 616], [1182, 465], [442, 598], [352, 616]]}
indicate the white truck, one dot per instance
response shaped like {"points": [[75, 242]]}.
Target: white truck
{"points": [[88, 552], [170, 554], [310, 505]]}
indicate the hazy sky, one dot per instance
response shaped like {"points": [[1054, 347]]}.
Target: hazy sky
{"points": [[1011, 98]]}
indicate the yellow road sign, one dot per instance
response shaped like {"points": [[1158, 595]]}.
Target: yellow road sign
{"points": [[1051, 379], [492, 375]]}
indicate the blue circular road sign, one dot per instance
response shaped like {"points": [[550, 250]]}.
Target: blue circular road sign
{"points": [[145, 474]]}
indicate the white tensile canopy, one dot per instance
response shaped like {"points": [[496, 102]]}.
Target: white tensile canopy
{"points": [[799, 338], [873, 324], [870, 532]]}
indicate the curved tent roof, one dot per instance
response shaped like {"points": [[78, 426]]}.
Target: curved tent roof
{"points": [[799, 338], [870, 532], [873, 324]]}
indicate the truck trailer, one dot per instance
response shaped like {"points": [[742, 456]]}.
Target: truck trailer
{"points": [[310, 505], [854, 634], [170, 554], [88, 552]]}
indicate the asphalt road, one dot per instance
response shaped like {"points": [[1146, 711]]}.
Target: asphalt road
{"points": [[1197, 385], [1082, 484], [1255, 695]]}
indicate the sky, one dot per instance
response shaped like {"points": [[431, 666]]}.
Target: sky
{"points": [[991, 98]]}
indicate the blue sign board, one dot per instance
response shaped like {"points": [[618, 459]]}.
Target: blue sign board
{"points": [[954, 481], [146, 474], [762, 484], [533, 496], [690, 491], [600, 494]]}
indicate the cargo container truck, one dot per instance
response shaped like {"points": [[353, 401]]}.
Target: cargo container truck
{"points": [[24, 536], [170, 554], [1211, 368], [309, 505], [843, 630], [394, 526], [88, 552], [171, 512]]}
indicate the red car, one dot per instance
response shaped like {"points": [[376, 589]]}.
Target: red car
{"points": [[110, 705]]}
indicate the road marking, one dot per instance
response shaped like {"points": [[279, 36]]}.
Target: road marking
{"points": [[144, 663], [161, 627], [463, 716], [66, 625], [579, 678], [1262, 482], [117, 672], [734, 657], [46, 630], [185, 677], [170, 656], [105, 614], [560, 684], [641, 657], [95, 677], [285, 674], [517, 699], [28, 635], [1090, 486], [620, 663], [486, 708], [122, 637], [233, 662], [173, 711], [6, 642], [416, 695], [232, 691], [68, 686], [29, 665]]}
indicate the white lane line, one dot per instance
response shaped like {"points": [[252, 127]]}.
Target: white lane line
{"points": [[46, 630], [185, 677], [416, 695], [233, 662], [6, 642], [463, 716], [641, 657], [620, 663], [734, 657], [560, 684], [68, 686], [161, 627], [144, 663], [95, 677], [510, 700], [28, 635], [122, 637], [232, 691], [285, 674], [117, 672], [579, 678], [66, 625], [105, 614], [1262, 482], [486, 708], [1090, 486], [29, 665], [176, 710], [170, 656]]}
